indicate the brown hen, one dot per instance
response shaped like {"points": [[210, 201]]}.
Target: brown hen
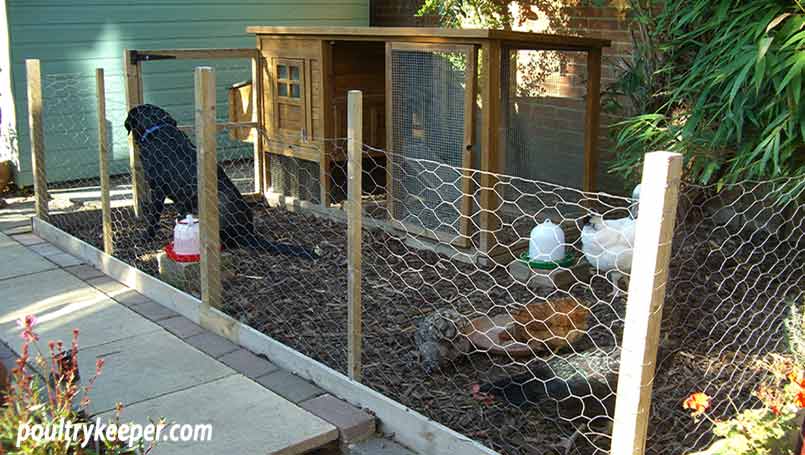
{"points": [[554, 324]]}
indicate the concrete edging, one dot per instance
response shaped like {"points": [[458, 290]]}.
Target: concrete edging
{"points": [[409, 427]]}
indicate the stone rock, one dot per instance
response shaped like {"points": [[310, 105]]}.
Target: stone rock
{"points": [[186, 275]]}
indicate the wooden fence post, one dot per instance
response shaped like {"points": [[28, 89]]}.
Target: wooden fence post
{"points": [[257, 116], [34, 74], [103, 162], [662, 172], [354, 231], [134, 97], [209, 222]]}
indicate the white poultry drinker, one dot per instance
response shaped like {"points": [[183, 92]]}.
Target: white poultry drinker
{"points": [[547, 243], [186, 237]]}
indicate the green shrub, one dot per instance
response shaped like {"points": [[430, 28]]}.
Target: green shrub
{"points": [[720, 82]]}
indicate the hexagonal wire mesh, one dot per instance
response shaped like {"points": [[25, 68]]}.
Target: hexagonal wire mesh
{"points": [[512, 354]]}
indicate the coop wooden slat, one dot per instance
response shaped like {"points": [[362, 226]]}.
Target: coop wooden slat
{"points": [[470, 94], [490, 159], [199, 54], [134, 97], [592, 118], [560, 41]]}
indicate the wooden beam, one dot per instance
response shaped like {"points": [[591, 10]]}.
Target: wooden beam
{"points": [[134, 97], [209, 222], [354, 232], [221, 126], [470, 95], [662, 172], [103, 162], [389, 136], [200, 54], [490, 159], [326, 90], [34, 75], [257, 117], [592, 119]]}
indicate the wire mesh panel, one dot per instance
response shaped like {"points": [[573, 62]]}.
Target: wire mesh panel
{"points": [[428, 93], [521, 359], [543, 121], [169, 85], [737, 279]]}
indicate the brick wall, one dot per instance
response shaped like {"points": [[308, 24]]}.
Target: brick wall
{"points": [[399, 13]]}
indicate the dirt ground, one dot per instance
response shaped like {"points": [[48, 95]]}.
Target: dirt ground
{"points": [[303, 304]]}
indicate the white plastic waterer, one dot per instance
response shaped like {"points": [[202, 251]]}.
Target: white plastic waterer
{"points": [[547, 243], [186, 237], [633, 209]]}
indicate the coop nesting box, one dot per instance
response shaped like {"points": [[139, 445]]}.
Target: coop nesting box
{"points": [[431, 96]]}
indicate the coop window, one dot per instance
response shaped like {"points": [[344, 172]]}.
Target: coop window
{"points": [[289, 80]]}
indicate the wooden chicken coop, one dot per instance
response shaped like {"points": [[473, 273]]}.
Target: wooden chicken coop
{"points": [[439, 95]]}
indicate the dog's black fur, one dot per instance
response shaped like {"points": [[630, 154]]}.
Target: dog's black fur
{"points": [[169, 166]]}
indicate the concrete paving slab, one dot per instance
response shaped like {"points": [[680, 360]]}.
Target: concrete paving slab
{"points": [[148, 366], [181, 327], [246, 419], [98, 318], [289, 386], [130, 298], [212, 344], [248, 364], [28, 239], [7, 240], [84, 271], [108, 285], [46, 249], [353, 424], [377, 446], [153, 311], [64, 260], [18, 260], [20, 227]]}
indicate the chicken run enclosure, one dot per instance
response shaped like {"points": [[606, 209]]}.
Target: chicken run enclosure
{"points": [[387, 235]]}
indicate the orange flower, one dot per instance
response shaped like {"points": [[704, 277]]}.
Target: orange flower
{"points": [[800, 400], [775, 410], [697, 403]]}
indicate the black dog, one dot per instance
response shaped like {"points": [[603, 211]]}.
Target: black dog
{"points": [[169, 166]]}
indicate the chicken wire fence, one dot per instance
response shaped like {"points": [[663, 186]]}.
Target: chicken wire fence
{"points": [[520, 356], [733, 304]]}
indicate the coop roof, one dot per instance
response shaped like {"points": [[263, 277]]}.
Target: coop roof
{"points": [[516, 39]]}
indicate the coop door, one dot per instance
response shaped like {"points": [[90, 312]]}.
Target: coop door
{"points": [[290, 107], [432, 99]]}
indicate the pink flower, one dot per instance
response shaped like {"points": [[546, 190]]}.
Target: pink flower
{"points": [[28, 322], [27, 325]]}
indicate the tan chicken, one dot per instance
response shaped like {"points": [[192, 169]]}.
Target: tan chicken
{"points": [[554, 324]]}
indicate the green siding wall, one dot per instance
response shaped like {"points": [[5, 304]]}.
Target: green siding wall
{"points": [[73, 38]]}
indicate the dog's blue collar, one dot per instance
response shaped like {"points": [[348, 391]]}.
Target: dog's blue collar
{"points": [[151, 130]]}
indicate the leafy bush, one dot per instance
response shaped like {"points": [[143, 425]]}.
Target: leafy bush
{"points": [[795, 332], [772, 429], [721, 82]]}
